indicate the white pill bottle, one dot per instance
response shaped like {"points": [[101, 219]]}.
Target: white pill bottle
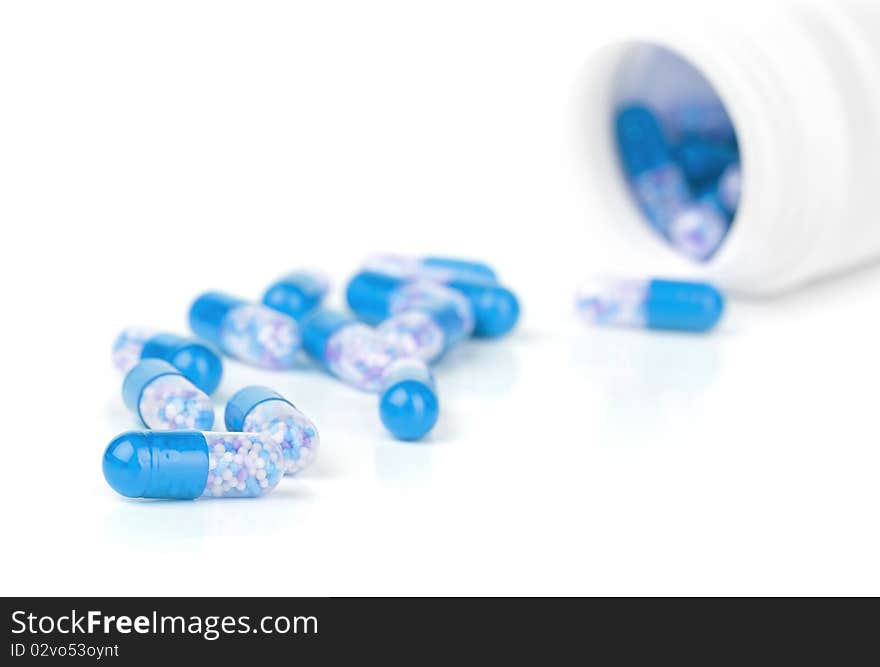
{"points": [[800, 80]]}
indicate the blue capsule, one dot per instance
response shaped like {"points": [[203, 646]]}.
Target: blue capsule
{"points": [[199, 362], [408, 406], [704, 161], [730, 189], [258, 409], [495, 309], [352, 351], [189, 464], [422, 318], [640, 140], [164, 399], [297, 294], [249, 332], [663, 180], [699, 228], [439, 269], [651, 304], [358, 355], [659, 185], [460, 266]]}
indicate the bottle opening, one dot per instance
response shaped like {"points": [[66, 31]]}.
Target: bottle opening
{"points": [[678, 149]]}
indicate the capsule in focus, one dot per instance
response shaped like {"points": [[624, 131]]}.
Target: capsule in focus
{"points": [[199, 362], [352, 351], [297, 294], [408, 405], [249, 332], [164, 399], [439, 269], [651, 304], [258, 409], [191, 464]]}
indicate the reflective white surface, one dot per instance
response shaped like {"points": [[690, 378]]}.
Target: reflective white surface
{"points": [[567, 460]]}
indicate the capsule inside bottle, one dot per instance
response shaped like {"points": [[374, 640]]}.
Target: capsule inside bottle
{"points": [[678, 150]]}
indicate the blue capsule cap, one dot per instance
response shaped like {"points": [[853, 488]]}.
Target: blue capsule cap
{"points": [[318, 327], [207, 312], [243, 401], [703, 161], [143, 373], [408, 406], [296, 294], [198, 362], [157, 464], [369, 294], [640, 140], [496, 309], [466, 267], [683, 306]]}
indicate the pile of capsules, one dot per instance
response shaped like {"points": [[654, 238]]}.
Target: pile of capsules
{"points": [[683, 169], [407, 313]]}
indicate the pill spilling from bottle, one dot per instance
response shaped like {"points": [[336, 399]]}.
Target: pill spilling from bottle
{"points": [[650, 304]]}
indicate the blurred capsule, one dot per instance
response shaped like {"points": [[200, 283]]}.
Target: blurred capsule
{"points": [[348, 349], [651, 304], [439, 269], [423, 318], [704, 161], [495, 309], [658, 183], [297, 294], [199, 362], [249, 332], [698, 229]]}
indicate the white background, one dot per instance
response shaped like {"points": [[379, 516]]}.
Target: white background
{"points": [[149, 151]]}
